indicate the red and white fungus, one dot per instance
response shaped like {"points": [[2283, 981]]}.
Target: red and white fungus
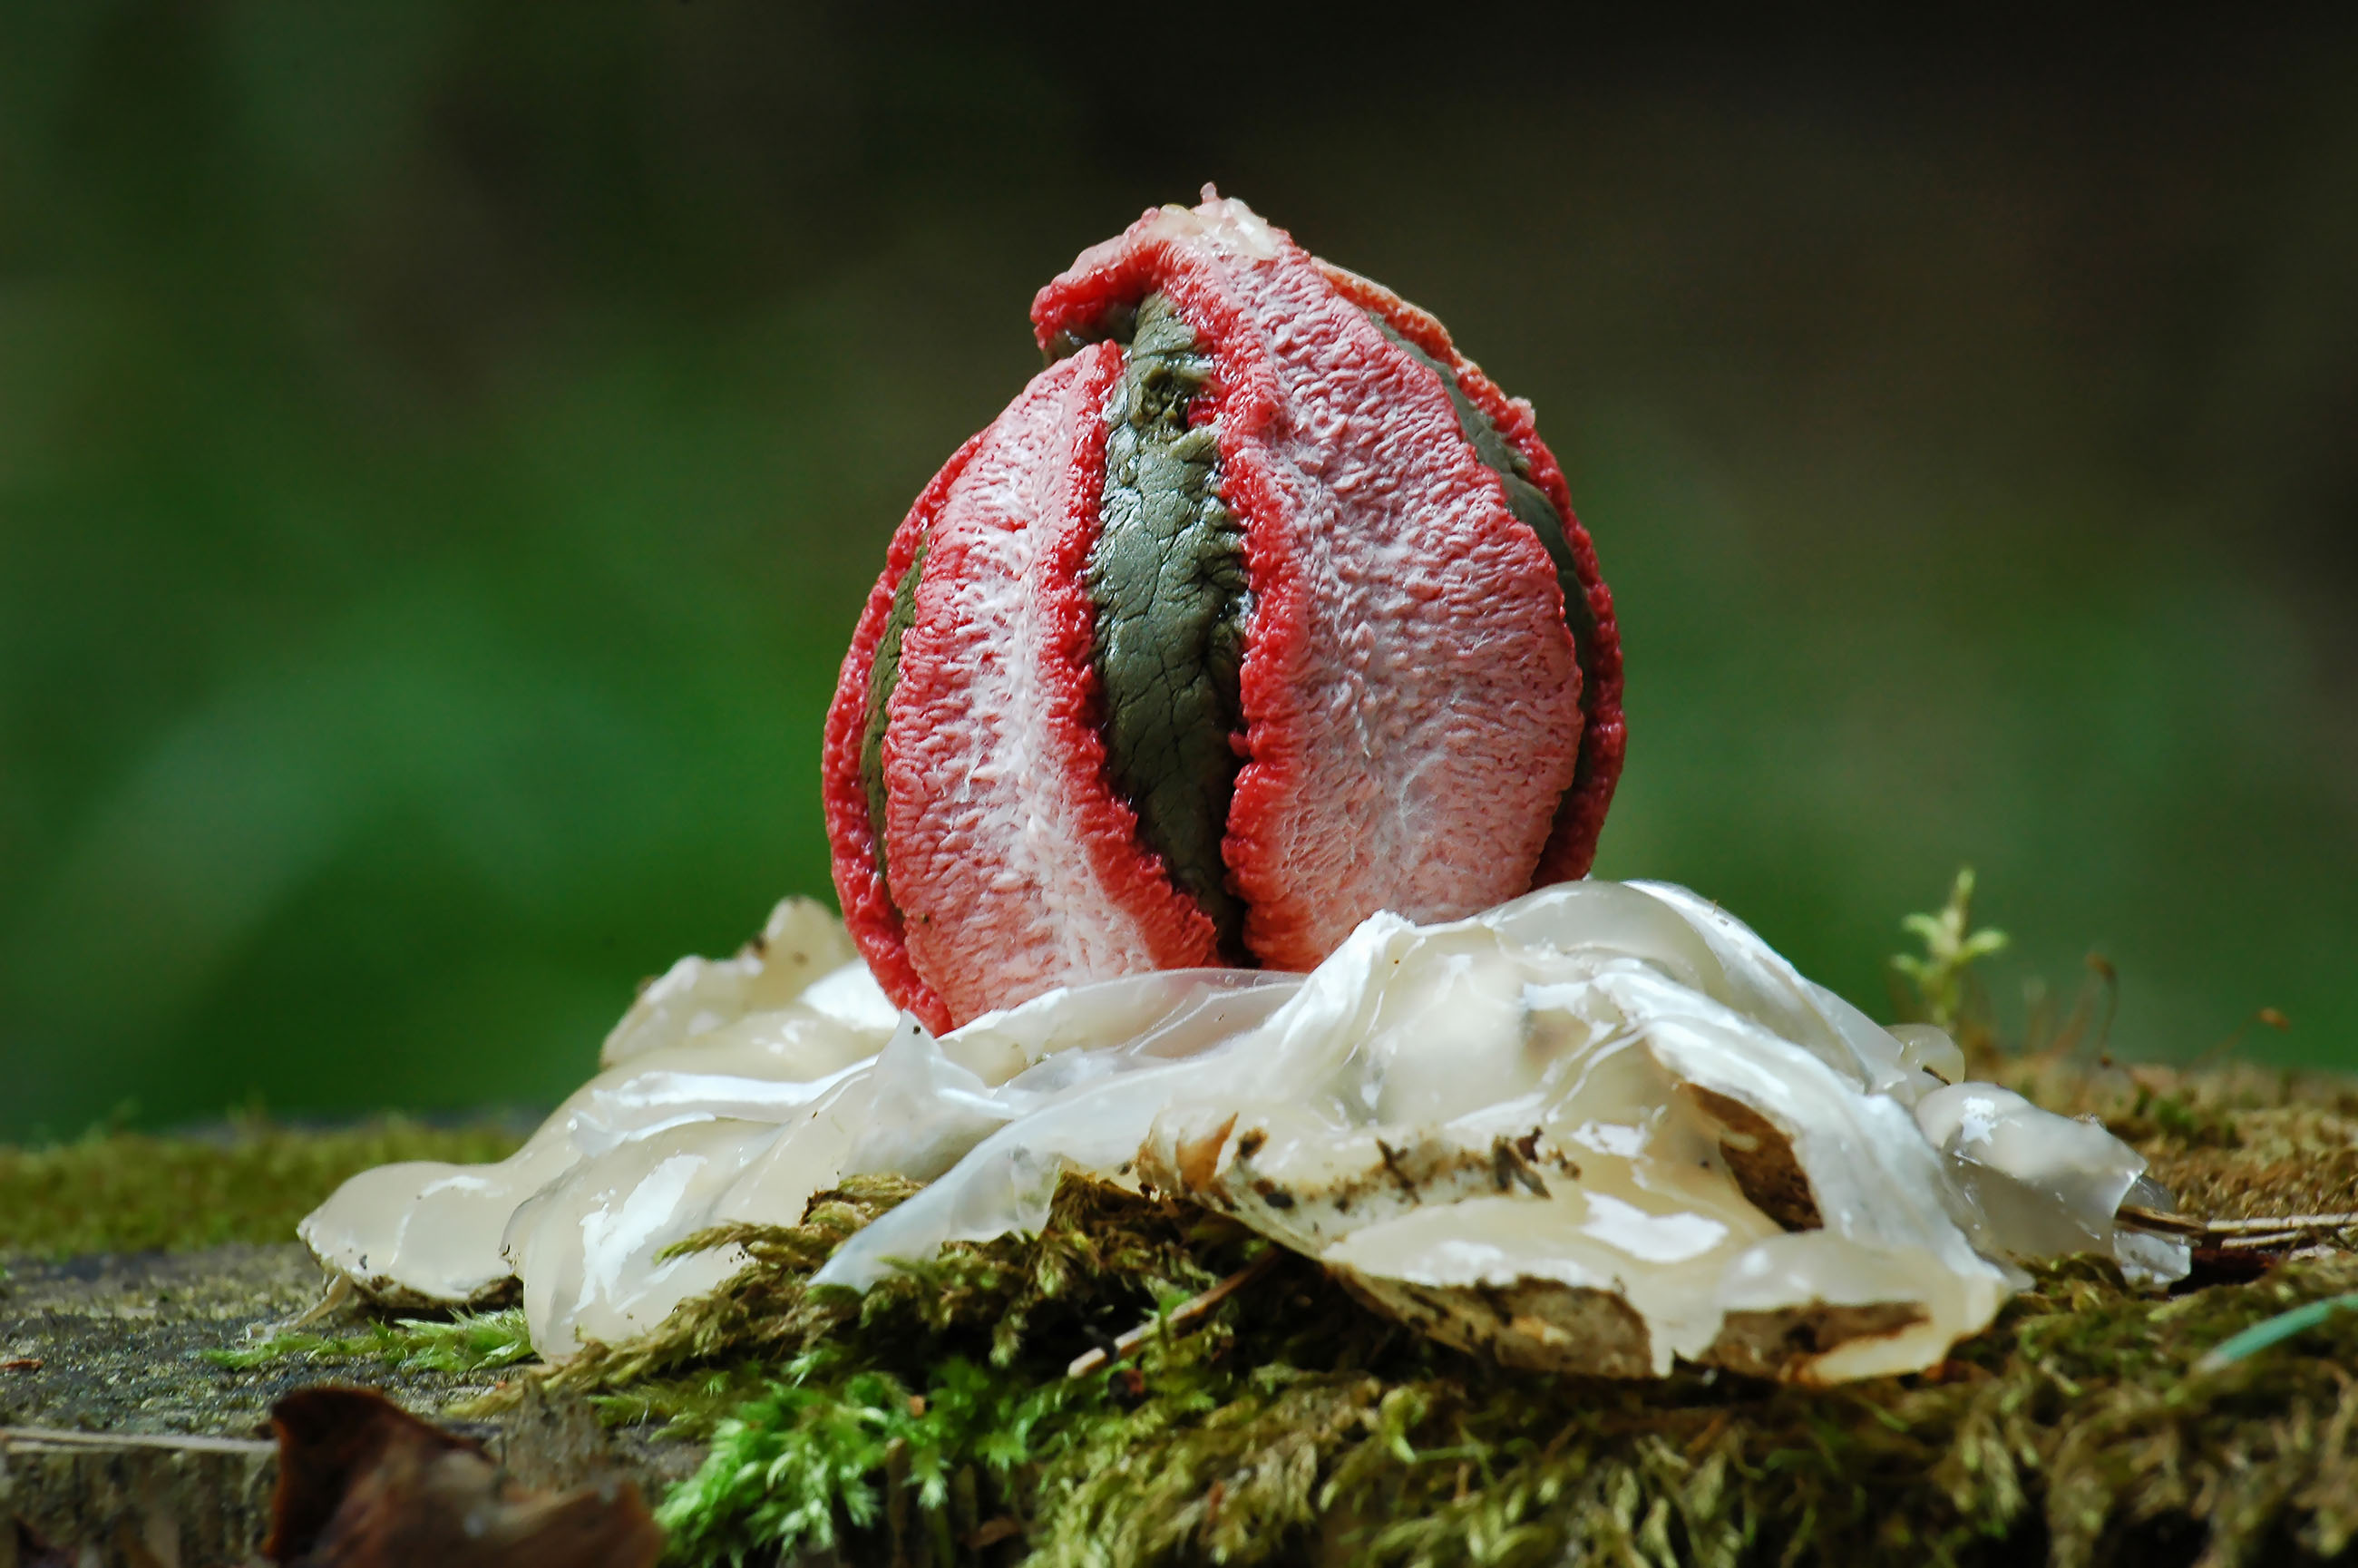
{"points": [[1262, 608]]}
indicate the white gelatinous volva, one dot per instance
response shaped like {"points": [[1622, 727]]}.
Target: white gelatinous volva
{"points": [[1597, 1128]]}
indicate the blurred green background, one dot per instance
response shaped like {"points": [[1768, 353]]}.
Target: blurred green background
{"points": [[442, 448]]}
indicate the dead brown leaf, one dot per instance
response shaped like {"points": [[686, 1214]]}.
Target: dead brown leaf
{"points": [[364, 1484]]}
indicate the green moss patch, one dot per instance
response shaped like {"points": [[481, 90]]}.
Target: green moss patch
{"points": [[463, 1343], [1297, 1425], [131, 1192], [932, 1420]]}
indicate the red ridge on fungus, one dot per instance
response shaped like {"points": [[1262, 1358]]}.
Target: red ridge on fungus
{"points": [[1178, 934], [868, 909], [1410, 691], [1420, 732], [1026, 872], [1571, 844]]}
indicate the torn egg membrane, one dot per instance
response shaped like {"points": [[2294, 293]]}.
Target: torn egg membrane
{"points": [[801, 943], [591, 1246], [1599, 1128], [731, 1094], [749, 1041]]}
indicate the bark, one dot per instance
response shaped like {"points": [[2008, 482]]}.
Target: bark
{"points": [[121, 1445]]}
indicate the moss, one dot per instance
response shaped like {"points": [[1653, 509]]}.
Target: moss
{"points": [[2084, 1428], [465, 1341], [843, 1462], [130, 1191], [932, 1420], [1104, 1260], [117, 1342], [1295, 1424]]}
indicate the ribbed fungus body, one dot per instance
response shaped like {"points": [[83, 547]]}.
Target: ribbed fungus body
{"points": [[1260, 610]]}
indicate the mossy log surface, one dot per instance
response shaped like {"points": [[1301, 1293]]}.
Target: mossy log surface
{"points": [[123, 1439], [931, 1421]]}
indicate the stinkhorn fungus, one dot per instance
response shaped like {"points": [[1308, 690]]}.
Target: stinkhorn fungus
{"points": [[1259, 610], [1258, 636]]}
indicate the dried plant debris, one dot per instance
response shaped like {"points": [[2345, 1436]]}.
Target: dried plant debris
{"points": [[362, 1484]]}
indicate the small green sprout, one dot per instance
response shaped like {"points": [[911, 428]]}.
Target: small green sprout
{"points": [[2274, 1331], [1951, 947]]}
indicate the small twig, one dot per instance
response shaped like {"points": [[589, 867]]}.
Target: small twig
{"points": [[2271, 1226], [1185, 1313], [2284, 1222], [2273, 1239], [34, 1438], [2145, 1218]]}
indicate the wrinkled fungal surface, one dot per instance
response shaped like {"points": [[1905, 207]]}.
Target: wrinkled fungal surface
{"points": [[1601, 1128], [1167, 588], [1259, 610]]}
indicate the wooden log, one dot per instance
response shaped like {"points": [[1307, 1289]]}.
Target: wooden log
{"points": [[121, 1445]]}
